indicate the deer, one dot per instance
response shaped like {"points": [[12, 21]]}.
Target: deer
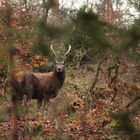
{"points": [[39, 86]]}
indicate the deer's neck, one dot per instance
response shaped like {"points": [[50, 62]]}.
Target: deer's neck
{"points": [[60, 76]]}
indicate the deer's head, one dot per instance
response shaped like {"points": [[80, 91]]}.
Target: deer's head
{"points": [[60, 63]]}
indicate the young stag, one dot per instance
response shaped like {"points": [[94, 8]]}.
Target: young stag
{"points": [[39, 86]]}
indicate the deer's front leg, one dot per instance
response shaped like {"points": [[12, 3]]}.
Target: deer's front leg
{"points": [[39, 103], [46, 102]]}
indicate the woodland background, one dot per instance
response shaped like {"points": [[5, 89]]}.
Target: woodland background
{"points": [[100, 97]]}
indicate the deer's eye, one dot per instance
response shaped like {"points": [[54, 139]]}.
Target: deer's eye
{"points": [[56, 62], [63, 63]]}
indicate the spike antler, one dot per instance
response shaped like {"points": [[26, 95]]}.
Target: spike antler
{"points": [[64, 54], [68, 51], [53, 51]]}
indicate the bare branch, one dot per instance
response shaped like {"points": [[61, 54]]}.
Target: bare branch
{"points": [[97, 74]]}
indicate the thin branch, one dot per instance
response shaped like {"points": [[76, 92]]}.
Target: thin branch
{"points": [[113, 82], [97, 74]]}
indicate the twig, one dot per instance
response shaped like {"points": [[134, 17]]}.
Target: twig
{"points": [[113, 81], [97, 75]]}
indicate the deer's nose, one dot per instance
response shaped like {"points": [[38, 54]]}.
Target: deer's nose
{"points": [[59, 69]]}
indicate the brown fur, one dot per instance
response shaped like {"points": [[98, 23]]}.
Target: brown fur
{"points": [[50, 83], [38, 86]]}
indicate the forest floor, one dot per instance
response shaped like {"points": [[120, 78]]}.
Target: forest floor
{"points": [[85, 109]]}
